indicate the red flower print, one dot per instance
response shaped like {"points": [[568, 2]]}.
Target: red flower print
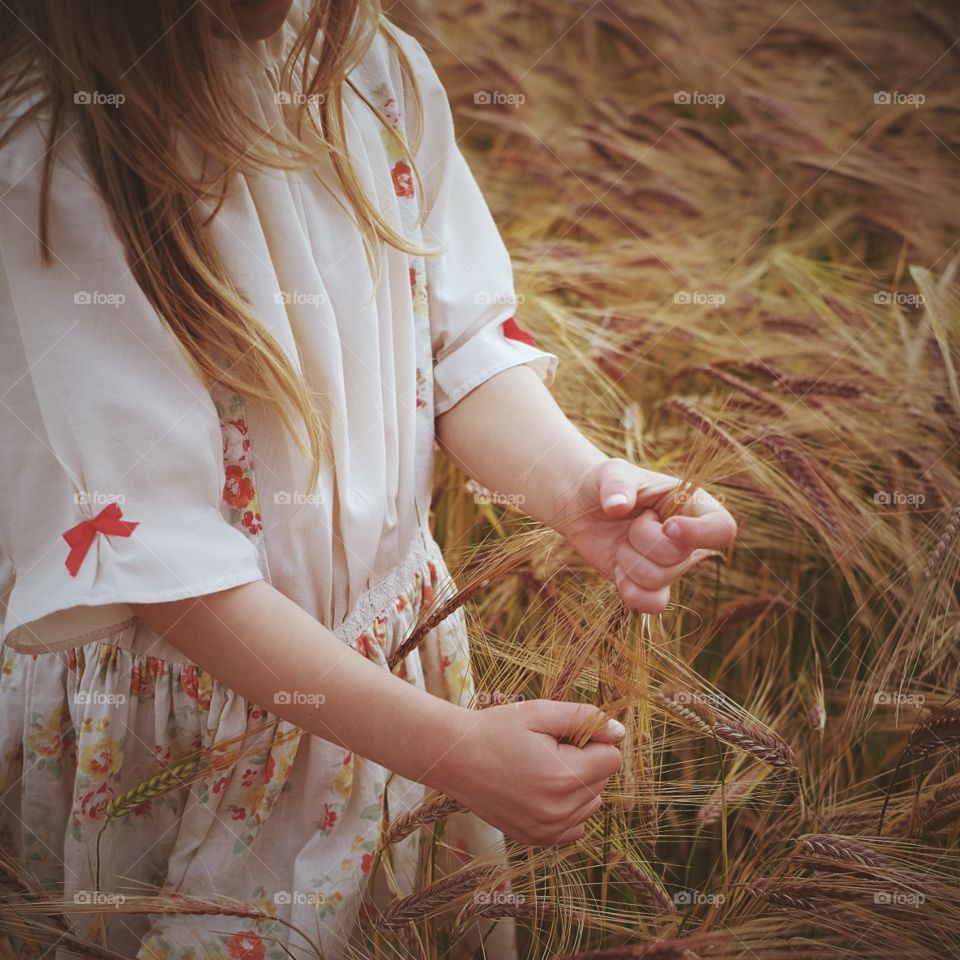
{"points": [[247, 779], [365, 645], [413, 281], [191, 686], [252, 521], [270, 770], [220, 783], [329, 819], [366, 862], [245, 945], [237, 490], [238, 813], [401, 603], [402, 179], [93, 801], [513, 332], [236, 442], [139, 682]]}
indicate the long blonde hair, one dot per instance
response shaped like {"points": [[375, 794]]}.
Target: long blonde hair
{"points": [[161, 56]]}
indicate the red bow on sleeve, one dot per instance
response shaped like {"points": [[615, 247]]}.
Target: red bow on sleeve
{"points": [[107, 521], [513, 331]]}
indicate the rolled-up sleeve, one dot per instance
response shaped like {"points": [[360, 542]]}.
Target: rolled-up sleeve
{"points": [[475, 320], [112, 470]]}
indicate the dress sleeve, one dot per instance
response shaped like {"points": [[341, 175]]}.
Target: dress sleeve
{"points": [[472, 304], [111, 470]]}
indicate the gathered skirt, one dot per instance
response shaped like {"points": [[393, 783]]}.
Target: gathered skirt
{"points": [[290, 827]]}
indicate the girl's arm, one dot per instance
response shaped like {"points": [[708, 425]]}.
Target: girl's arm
{"points": [[259, 643], [511, 436]]}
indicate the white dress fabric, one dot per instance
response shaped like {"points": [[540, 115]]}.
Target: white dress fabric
{"points": [[166, 490]]}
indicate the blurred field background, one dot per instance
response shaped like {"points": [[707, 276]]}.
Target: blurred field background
{"points": [[736, 224]]}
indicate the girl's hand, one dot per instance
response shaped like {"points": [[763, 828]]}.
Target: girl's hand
{"points": [[615, 529], [512, 771]]}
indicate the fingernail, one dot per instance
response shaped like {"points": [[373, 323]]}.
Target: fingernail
{"points": [[671, 528], [614, 500], [617, 574], [616, 729]]}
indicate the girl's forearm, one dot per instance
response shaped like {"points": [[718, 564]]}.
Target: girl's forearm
{"points": [[510, 435], [262, 645]]}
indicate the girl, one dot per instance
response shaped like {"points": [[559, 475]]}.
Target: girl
{"points": [[248, 279]]}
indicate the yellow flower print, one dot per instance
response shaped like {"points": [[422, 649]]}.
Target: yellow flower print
{"points": [[99, 758]]}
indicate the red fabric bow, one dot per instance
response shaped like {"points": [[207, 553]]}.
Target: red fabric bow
{"points": [[107, 521], [513, 331]]}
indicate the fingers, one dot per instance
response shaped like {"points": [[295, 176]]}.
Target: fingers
{"points": [[563, 720], [647, 537], [595, 761], [621, 483], [715, 529]]}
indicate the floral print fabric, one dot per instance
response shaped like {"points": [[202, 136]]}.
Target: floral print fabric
{"points": [[291, 828]]}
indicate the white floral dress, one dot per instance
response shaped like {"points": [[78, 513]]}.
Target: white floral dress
{"points": [[124, 480]]}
